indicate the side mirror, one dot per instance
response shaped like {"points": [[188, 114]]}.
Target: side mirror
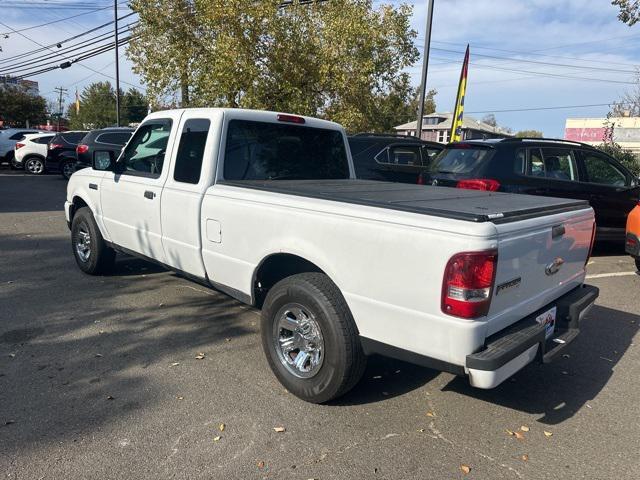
{"points": [[104, 160]]}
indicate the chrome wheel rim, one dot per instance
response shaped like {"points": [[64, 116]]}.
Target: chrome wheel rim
{"points": [[67, 170], [298, 341], [35, 166], [83, 243]]}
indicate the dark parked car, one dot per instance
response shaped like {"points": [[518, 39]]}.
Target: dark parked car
{"points": [[554, 168], [61, 156], [391, 158], [111, 139]]}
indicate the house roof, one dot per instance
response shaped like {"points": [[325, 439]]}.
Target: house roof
{"points": [[468, 123]]}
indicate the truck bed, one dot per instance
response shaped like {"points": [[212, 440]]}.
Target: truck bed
{"points": [[455, 203]]}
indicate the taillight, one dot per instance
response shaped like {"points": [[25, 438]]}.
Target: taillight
{"points": [[283, 117], [82, 148], [53, 146], [479, 184], [593, 241], [468, 284], [19, 145]]}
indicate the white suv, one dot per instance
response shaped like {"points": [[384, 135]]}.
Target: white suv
{"points": [[8, 139], [31, 151]]}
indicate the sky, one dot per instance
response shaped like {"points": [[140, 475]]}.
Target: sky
{"points": [[522, 52]]}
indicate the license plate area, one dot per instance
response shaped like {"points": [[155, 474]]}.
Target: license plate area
{"points": [[548, 319]]}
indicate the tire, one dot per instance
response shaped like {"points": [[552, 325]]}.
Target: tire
{"points": [[308, 310], [34, 165], [92, 254], [67, 169]]}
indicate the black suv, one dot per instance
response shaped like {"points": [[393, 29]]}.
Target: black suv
{"points": [[111, 139], [549, 167], [61, 155], [391, 158]]}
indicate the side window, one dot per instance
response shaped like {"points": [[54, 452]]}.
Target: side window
{"points": [[191, 150], [400, 155], [600, 170], [74, 137], [145, 153], [43, 139], [552, 163], [113, 138], [17, 136]]}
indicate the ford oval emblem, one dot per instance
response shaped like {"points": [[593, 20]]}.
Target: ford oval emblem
{"points": [[554, 267]]}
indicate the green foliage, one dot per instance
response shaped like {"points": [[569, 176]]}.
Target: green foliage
{"points": [[629, 11], [17, 108], [529, 134], [624, 156], [341, 60], [98, 107]]}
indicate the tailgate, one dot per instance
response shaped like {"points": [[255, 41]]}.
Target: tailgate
{"points": [[539, 260]]}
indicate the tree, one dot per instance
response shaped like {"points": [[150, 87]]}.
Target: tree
{"points": [[529, 134], [629, 10], [18, 107], [623, 155], [629, 104], [98, 107], [490, 119], [342, 59]]}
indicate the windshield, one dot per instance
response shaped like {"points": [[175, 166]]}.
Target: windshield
{"points": [[460, 160], [274, 151]]}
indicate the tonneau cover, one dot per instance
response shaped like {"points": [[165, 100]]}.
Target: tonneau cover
{"points": [[455, 203]]}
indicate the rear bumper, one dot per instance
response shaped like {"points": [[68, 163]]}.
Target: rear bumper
{"points": [[508, 351]]}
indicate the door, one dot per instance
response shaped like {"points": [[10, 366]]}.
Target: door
{"points": [[552, 172], [611, 192], [190, 175], [130, 197]]}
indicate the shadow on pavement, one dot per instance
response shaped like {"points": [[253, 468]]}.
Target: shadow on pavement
{"points": [[558, 390]]}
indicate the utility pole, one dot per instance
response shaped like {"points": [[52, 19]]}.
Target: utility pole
{"points": [[425, 67], [61, 91], [115, 18]]}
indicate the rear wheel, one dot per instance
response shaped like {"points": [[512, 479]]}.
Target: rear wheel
{"points": [[67, 169], [92, 254], [310, 338], [34, 165]]}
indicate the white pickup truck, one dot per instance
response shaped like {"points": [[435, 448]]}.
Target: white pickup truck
{"points": [[265, 207]]}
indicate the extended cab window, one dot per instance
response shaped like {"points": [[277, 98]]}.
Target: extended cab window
{"points": [[272, 151], [145, 153], [191, 150], [600, 170]]}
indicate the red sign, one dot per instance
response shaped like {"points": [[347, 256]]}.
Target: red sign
{"points": [[585, 134]]}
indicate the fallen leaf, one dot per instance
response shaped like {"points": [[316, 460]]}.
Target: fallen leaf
{"points": [[431, 414], [227, 339], [548, 434], [279, 429], [525, 458], [217, 439], [260, 464], [179, 397], [221, 427], [465, 469], [98, 355], [12, 355], [377, 377], [509, 432], [175, 364], [420, 430], [524, 428], [109, 397], [100, 332], [518, 435], [200, 356], [161, 305]]}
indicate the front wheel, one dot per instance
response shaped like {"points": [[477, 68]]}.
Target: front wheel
{"points": [[67, 169], [34, 165], [310, 338], [92, 254]]}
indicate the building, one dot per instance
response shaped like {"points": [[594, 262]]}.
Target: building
{"points": [[27, 86], [436, 127], [626, 131]]}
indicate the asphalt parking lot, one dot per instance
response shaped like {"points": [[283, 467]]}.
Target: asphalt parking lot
{"points": [[99, 379]]}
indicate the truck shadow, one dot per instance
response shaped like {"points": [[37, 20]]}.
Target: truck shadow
{"points": [[560, 389]]}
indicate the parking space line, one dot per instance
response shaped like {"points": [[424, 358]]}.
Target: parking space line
{"points": [[614, 274]]}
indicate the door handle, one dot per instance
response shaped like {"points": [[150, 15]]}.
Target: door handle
{"points": [[149, 194]]}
